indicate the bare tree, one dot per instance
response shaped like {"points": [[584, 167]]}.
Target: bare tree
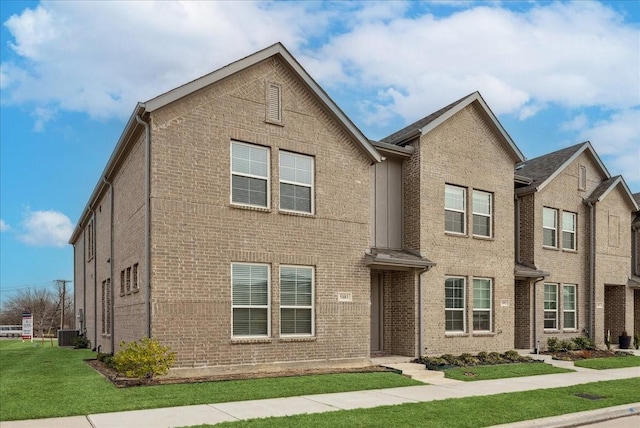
{"points": [[41, 303]]}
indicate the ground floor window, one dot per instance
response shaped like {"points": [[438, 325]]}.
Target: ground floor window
{"points": [[482, 297], [106, 306], [569, 307], [250, 299], [296, 300], [454, 288], [551, 306]]}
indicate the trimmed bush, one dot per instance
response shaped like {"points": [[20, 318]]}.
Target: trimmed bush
{"points": [[143, 359]]}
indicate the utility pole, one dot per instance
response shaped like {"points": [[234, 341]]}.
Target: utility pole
{"points": [[62, 293]]}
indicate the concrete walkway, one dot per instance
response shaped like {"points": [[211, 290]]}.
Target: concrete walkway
{"points": [[439, 388]]}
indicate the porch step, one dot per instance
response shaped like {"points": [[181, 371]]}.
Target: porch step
{"points": [[420, 373]]}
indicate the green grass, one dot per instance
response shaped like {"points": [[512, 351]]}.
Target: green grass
{"points": [[469, 412], [57, 382], [609, 363], [502, 371]]}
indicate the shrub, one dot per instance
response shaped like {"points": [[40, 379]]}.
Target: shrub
{"points": [[512, 356], [583, 342], [494, 358], [553, 344], [105, 358], [143, 359], [467, 360], [81, 342]]}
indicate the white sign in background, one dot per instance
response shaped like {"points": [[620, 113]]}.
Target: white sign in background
{"points": [[27, 326]]}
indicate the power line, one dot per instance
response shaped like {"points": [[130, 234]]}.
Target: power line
{"points": [[21, 287]]}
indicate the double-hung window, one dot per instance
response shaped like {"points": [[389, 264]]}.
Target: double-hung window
{"points": [[454, 290], [296, 300], [249, 174], [568, 231], [250, 299], [551, 306], [454, 209], [569, 307], [549, 227], [296, 182], [482, 208], [481, 304]]}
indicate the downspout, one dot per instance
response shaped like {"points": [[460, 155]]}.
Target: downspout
{"points": [[147, 224], [535, 317], [517, 228], [420, 315], [111, 263], [95, 283], [634, 250], [592, 277]]}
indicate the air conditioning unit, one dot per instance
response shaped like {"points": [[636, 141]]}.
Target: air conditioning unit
{"points": [[67, 337]]}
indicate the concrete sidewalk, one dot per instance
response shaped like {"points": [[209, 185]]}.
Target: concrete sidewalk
{"points": [[439, 388]]}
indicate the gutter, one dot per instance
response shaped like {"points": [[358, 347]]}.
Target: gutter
{"points": [[95, 284], [147, 225], [111, 263]]}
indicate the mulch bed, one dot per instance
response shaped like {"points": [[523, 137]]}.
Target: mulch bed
{"points": [[585, 354], [123, 382]]}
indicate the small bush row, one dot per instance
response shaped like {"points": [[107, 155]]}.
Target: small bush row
{"points": [[579, 343], [143, 359], [469, 360]]}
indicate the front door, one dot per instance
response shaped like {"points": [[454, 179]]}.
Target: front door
{"points": [[376, 312]]}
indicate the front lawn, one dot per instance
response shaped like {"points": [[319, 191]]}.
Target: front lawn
{"points": [[609, 363], [502, 371], [471, 412], [40, 381]]}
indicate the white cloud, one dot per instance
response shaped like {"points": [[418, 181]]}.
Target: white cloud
{"points": [[577, 123], [4, 226], [45, 229], [616, 139]]}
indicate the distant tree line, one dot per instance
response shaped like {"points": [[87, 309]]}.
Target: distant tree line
{"points": [[52, 309]]}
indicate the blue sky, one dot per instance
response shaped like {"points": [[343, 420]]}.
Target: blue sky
{"points": [[555, 74]]}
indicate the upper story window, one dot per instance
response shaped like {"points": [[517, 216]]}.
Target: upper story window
{"points": [[568, 231], [454, 307], [454, 209], [549, 227], [296, 182], [250, 299], [482, 209], [249, 174], [90, 240], [296, 300]]}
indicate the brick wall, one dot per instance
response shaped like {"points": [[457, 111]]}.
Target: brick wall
{"points": [[400, 313]]}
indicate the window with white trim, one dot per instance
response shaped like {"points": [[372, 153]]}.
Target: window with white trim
{"points": [[568, 230], [549, 227], [250, 299], [454, 209], [296, 300], [551, 306], [482, 211], [296, 182], [569, 307], [249, 174], [482, 297], [454, 311]]}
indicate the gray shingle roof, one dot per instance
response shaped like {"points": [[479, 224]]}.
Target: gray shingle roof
{"points": [[602, 188], [541, 168], [415, 127]]}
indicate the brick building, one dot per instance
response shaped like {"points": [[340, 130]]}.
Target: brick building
{"points": [[246, 222]]}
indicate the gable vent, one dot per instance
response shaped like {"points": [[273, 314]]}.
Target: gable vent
{"points": [[274, 103]]}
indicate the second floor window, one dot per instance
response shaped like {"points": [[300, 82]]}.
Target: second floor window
{"points": [[296, 182], [549, 227], [454, 209], [568, 231], [482, 213], [249, 174]]}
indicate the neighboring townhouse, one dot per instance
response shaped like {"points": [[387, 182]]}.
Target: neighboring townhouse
{"points": [[448, 223], [572, 254], [231, 223]]}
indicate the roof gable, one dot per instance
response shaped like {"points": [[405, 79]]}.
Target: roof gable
{"points": [[429, 123], [274, 50], [606, 186], [543, 169]]}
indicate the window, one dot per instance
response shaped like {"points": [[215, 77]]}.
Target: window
{"points": [[106, 306], [482, 213], [454, 209], [134, 281], [582, 179], [128, 280], [296, 300], [549, 227], [250, 299], [90, 240], [569, 307], [550, 306], [568, 231], [481, 304], [274, 103], [122, 283], [249, 174], [296, 182], [454, 311]]}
